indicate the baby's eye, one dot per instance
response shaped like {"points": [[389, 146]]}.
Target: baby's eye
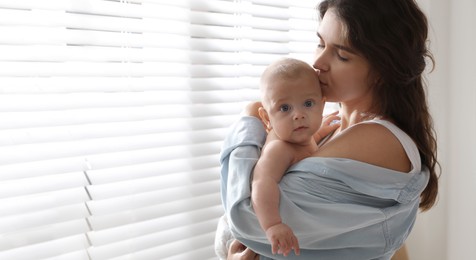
{"points": [[308, 103], [285, 108]]}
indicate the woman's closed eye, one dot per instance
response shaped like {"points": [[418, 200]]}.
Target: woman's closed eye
{"points": [[341, 56], [339, 53], [320, 44]]}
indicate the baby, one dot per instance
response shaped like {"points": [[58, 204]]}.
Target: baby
{"points": [[292, 106]]}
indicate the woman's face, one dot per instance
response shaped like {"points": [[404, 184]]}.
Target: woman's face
{"points": [[343, 73]]}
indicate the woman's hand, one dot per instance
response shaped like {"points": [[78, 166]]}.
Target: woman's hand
{"points": [[238, 251], [329, 124]]}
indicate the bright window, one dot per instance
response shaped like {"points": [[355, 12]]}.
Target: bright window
{"points": [[112, 115]]}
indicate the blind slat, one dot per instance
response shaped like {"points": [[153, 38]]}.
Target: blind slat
{"points": [[145, 199], [132, 171], [36, 152], [98, 7], [56, 85], [145, 248], [43, 201], [37, 18], [42, 18], [152, 230], [43, 69], [102, 54], [30, 186], [51, 248], [79, 132], [59, 36], [148, 182], [172, 250], [168, 41], [76, 255], [102, 162], [42, 218], [90, 116], [43, 234], [159, 211], [49, 102]]}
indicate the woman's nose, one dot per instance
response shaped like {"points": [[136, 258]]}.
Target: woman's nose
{"points": [[320, 63]]}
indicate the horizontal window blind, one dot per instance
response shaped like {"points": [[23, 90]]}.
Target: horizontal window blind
{"points": [[112, 116]]}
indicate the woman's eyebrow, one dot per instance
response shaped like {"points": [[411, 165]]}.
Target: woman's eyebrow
{"points": [[338, 46]]}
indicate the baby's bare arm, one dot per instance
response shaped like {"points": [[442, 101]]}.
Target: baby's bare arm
{"points": [[276, 157]]}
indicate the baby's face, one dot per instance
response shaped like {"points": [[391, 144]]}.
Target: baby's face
{"points": [[294, 107]]}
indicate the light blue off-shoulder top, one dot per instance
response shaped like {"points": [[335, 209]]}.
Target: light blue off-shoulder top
{"points": [[338, 208]]}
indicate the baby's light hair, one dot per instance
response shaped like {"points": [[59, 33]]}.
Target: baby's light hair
{"points": [[287, 69]]}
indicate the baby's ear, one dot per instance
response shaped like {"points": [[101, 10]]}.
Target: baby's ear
{"points": [[264, 117]]}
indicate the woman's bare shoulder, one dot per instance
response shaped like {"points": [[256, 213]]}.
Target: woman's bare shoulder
{"points": [[368, 143]]}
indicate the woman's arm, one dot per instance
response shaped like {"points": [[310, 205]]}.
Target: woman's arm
{"points": [[401, 254]]}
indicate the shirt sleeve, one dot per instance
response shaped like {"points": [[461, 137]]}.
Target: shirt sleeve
{"points": [[239, 154]]}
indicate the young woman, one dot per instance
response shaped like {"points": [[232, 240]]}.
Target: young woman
{"points": [[377, 169]]}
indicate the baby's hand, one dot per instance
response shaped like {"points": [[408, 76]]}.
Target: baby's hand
{"points": [[282, 239]]}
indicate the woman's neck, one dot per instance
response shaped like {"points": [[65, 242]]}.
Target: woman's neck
{"points": [[351, 115]]}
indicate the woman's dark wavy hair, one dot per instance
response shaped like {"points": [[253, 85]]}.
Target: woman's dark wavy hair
{"points": [[392, 36]]}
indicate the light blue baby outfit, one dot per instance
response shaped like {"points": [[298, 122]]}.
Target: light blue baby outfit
{"points": [[338, 208]]}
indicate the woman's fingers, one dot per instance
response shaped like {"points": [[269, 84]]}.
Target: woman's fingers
{"points": [[327, 119], [333, 113], [248, 254], [236, 247], [238, 251]]}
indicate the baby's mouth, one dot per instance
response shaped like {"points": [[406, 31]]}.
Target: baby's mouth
{"points": [[300, 128]]}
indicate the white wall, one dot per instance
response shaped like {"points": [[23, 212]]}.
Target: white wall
{"points": [[462, 130], [448, 230]]}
